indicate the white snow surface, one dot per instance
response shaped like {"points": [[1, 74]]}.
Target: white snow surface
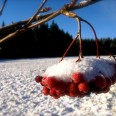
{"points": [[20, 95], [90, 67]]}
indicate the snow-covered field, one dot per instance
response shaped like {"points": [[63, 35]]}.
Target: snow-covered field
{"points": [[20, 95]]}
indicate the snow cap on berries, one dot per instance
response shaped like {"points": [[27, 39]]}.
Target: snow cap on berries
{"points": [[89, 67]]}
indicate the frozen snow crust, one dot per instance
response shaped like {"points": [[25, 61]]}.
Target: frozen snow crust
{"points": [[20, 95], [78, 79]]}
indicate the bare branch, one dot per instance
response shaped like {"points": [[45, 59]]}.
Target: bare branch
{"points": [[29, 27], [2, 8], [44, 18], [46, 9], [34, 16], [18, 24], [78, 36], [71, 5], [84, 4]]}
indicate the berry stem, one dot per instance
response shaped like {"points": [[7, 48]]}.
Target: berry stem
{"points": [[69, 47], [80, 39], [96, 39], [111, 55], [78, 36]]}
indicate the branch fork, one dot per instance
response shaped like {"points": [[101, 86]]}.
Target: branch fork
{"points": [[78, 36]]}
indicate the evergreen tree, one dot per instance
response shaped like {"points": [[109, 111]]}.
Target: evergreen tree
{"points": [[3, 24], [50, 41]]}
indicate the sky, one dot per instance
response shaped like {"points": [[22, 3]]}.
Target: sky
{"points": [[101, 15]]}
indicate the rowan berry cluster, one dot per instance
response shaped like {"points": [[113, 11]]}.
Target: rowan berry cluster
{"points": [[77, 87]]}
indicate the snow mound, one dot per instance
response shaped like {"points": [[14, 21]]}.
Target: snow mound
{"points": [[90, 67]]}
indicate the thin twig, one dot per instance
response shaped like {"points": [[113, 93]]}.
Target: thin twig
{"points": [[3, 6], [38, 17], [73, 15], [34, 16], [69, 47], [71, 5], [111, 55], [29, 27], [80, 39], [78, 36], [11, 35], [84, 3], [47, 18], [96, 39]]}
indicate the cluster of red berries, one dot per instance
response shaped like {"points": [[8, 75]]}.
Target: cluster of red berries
{"points": [[101, 84], [77, 87]]}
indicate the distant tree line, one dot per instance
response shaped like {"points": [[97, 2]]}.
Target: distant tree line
{"points": [[49, 41]]}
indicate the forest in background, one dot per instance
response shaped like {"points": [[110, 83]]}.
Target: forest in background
{"points": [[49, 41]]}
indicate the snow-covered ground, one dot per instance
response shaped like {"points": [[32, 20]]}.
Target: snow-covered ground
{"points": [[20, 95]]}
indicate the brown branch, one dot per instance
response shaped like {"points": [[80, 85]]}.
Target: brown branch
{"points": [[16, 33], [78, 36], [18, 24], [22, 23], [46, 9], [84, 4], [34, 16], [69, 47], [27, 28], [43, 19], [3, 6]]}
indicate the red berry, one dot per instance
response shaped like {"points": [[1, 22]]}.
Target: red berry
{"points": [[45, 91], [56, 96], [108, 82], [83, 87], [106, 89], [100, 82], [77, 77], [73, 94], [53, 92], [72, 87], [51, 82], [80, 95], [58, 92], [44, 81], [38, 79], [61, 85]]}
